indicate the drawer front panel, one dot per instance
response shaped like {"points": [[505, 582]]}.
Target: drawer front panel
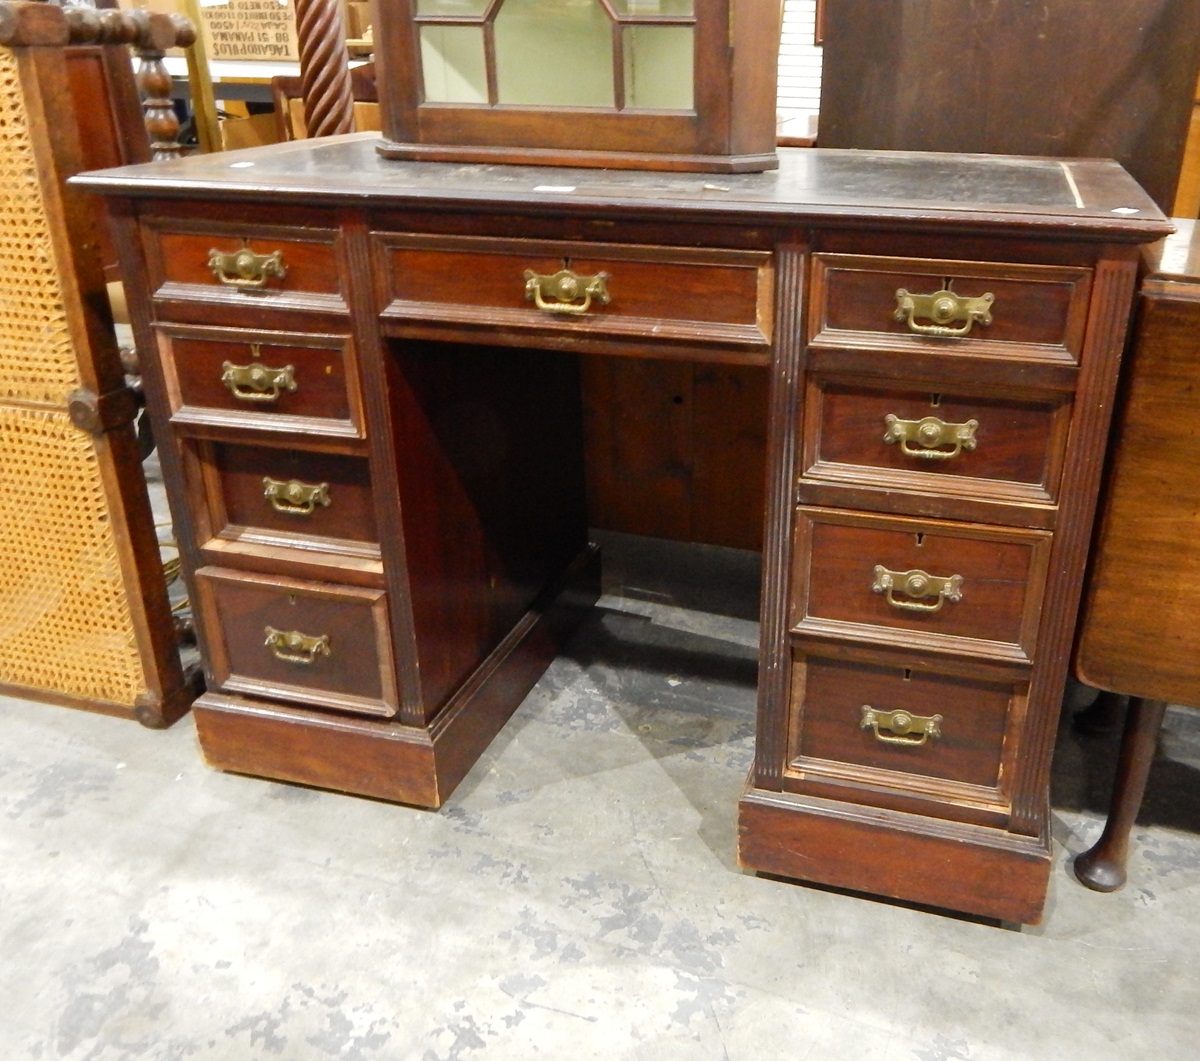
{"points": [[306, 642], [852, 719], [261, 262], [959, 587], [1029, 306], [283, 494], [280, 380], [924, 439], [652, 293]]}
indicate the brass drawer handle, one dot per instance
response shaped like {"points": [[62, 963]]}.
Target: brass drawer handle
{"points": [[909, 730], [292, 646], [917, 584], [565, 289], [943, 307], [928, 437], [258, 382], [294, 497], [244, 269]]}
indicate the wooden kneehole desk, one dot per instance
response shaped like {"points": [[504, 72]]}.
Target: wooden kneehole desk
{"points": [[365, 377]]}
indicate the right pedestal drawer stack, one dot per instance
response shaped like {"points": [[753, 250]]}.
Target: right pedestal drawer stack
{"points": [[942, 474]]}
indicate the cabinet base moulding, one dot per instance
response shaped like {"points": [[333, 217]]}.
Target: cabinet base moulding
{"points": [[930, 862], [388, 760]]}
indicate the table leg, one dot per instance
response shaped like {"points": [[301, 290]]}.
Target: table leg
{"points": [[1102, 867]]}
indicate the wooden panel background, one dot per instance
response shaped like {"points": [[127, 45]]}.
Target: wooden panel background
{"points": [[1068, 78], [676, 449]]}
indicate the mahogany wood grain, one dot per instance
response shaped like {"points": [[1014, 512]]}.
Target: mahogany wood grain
{"points": [[325, 400], [675, 449], [1002, 571], [1017, 450], [240, 508], [827, 729], [730, 129], [987, 872], [652, 292], [1108, 320], [1102, 866], [1035, 306], [406, 764], [728, 464], [1134, 640], [489, 470], [638, 422], [783, 410], [474, 436], [310, 266], [1146, 643], [354, 675]]}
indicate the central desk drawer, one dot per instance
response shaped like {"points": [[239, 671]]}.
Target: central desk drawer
{"points": [[652, 293], [306, 642], [914, 583]]}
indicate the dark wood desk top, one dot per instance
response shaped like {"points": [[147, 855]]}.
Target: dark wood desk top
{"points": [[1092, 199]]}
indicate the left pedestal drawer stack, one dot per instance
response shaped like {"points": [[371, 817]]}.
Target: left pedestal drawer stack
{"points": [[354, 637]]}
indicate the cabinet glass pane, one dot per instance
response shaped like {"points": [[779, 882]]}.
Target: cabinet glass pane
{"points": [[453, 64], [643, 7], [454, 7], [553, 53], [658, 67]]}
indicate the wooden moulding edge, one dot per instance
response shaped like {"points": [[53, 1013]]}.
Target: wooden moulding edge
{"points": [[386, 760], [972, 869]]}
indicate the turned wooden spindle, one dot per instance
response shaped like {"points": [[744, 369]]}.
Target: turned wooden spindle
{"points": [[157, 33], [324, 68], [150, 35]]}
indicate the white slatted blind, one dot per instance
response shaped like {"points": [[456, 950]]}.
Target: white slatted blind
{"points": [[799, 70]]}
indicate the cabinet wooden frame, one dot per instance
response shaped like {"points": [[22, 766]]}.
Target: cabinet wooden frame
{"points": [[730, 127]]}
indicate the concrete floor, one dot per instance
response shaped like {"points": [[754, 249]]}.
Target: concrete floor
{"points": [[577, 898]]}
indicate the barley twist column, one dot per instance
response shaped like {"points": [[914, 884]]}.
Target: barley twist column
{"points": [[324, 68]]}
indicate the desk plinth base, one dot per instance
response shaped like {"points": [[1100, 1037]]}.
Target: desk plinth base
{"points": [[384, 759], [927, 861]]}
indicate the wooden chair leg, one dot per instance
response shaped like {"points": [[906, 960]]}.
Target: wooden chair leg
{"points": [[1102, 867]]}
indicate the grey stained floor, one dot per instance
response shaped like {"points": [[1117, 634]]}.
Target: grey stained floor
{"points": [[577, 898]]}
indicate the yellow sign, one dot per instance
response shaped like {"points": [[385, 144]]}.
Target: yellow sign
{"points": [[251, 30]]}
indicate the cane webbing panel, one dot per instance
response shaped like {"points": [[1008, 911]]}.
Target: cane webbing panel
{"points": [[65, 619], [37, 357], [65, 622]]}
